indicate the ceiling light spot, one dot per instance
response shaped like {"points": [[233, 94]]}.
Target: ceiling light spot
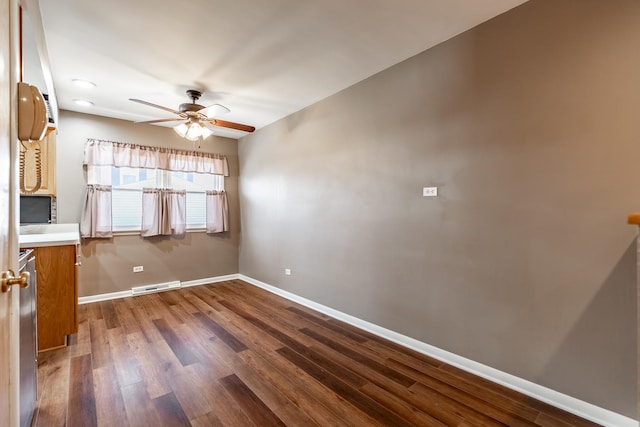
{"points": [[83, 102], [83, 83]]}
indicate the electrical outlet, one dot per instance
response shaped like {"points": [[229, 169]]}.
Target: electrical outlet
{"points": [[287, 272], [138, 269], [430, 191]]}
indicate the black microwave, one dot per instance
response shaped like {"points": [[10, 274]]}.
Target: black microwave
{"points": [[35, 210]]}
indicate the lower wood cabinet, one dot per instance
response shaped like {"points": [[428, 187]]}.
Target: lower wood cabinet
{"points": [[57, 304]]}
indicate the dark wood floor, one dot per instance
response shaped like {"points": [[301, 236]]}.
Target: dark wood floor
{"points": [[230, 354]]}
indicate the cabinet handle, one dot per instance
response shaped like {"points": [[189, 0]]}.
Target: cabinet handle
{"points": [[8, 279]]}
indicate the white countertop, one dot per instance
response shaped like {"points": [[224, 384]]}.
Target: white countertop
{"points": [[39, 235]]}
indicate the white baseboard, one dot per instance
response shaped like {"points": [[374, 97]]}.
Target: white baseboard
{"points": [[210, 280], [570, 404], [128, 293], [104, 297]]}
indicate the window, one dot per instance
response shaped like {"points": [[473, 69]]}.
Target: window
{"points": [[127, 184]]}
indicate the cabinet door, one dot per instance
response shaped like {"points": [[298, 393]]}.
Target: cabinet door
{"points": [[47, 164], [57, 295]]}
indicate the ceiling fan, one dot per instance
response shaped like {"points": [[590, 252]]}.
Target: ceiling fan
{"points": [[194, 117]]}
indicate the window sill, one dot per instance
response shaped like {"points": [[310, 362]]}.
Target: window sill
{"points": [[137, 232]]}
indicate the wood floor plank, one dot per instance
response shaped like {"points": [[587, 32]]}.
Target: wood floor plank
{"points": [[231, 354], [53, 388], [177, 345], [270, 395], [367, 405], [453, 386], [139, 408], [175, 308], [210, 419], [294, 344], [183, 385], [509, 417], [407, 411], [316, 402], [386, 343], [123, 358], [82, 402], [417, 361], [187, 305], [100, 350], [323, 323], [454, 406], [221, 332], [360, 358], [192, 296], [278, 330], [255, 409], [209, 350], [110, 410], [246, 332], [274, 314], [124, 311], [366, 349], [170, 411], [94, 312], [145, 323], [545, 420], [291, 415], [154, 369], [109, 314], [158, 309], [209, 305], [229, 412], [81, 343], [535, 404]]}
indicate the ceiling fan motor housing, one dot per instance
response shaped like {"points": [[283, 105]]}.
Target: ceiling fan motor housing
{"points": [[187, 106], [191, 106]]}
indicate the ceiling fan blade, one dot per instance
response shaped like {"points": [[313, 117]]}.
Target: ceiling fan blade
{"points": [[175, 119], [214, 110], [232, 125], [139, 101]]}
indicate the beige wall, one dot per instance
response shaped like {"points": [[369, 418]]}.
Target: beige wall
{"points": [[529, 125], [107, 263]]}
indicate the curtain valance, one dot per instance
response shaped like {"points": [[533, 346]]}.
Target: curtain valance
{"points": [[102, 153]]}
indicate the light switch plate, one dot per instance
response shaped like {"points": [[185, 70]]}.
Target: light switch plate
{"points": [[430, 191]]}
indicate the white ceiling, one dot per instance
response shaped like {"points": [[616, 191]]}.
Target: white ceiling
{"points": [[262, 59]]}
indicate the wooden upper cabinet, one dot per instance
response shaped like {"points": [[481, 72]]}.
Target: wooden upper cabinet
{"points": [[47, 164]]}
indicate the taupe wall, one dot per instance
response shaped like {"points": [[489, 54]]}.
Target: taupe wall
{"points": [[530, 127], [107, 263]]}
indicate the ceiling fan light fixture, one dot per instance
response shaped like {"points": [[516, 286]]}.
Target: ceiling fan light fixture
{"points": [[181, 130], [193, 131], [205, 132]]}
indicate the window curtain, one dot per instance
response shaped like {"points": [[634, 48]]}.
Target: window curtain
{"points": [[108, 153], [217, 211], [163, 212], [96, 212]]}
